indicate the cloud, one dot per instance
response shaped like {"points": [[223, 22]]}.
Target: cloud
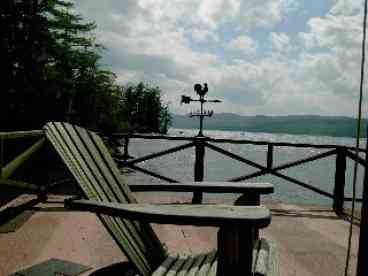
{"points": [[280, 42], [244, 50], [244, 44]]}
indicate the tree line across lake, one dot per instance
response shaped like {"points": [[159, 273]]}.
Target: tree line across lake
{"points": [[51, 72], [336, 126]]}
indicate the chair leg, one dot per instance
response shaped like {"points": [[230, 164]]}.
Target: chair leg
{"points": [[235, 251]]}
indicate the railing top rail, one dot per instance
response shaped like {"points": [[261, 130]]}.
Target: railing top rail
{"points": [[21, 134], [234, 141]]}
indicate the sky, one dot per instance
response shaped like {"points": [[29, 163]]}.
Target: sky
{"points": [[268, 57]]}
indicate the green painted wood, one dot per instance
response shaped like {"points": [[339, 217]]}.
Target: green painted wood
{"points": [[21, 134], [187, 265], [94, 169], [261, 257], [177, 266], [125, 236], [28, 187], [179, 214], [207, 264], [213, 269], [165, 266], [198, 261], [273, 260], [207, 187], [199, 265], [120, 234], [142, 233], [235, 250], [10, 168]]}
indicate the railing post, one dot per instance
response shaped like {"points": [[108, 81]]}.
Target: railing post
{"points": [[126, 147], [339, 189], [362, 266], [269, 156], [198, 167]]}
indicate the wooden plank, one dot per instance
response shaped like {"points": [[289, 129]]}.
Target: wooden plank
{"points": [[234, 141], [20, 185], [362, 265], [170, 180], [10, 168], [70, 155], [165, 266], [269, 156], [1, 155], [339, 188], [180, 261], [197, 262], [208, 187], [87, 154], [235, 250], [213, 269], [199, 152], [261, 253], [155, 155], [273, 260], [187, 265], [142, 234], [207, 264], [267, 170], [200, 215], [63, 151], [123, 231], [21, 134]]}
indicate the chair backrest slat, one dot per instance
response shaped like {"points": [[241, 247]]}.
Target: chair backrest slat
{"points": [[92, 166]]}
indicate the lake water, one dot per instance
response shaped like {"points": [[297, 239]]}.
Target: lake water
{"points": [[319, 173]]}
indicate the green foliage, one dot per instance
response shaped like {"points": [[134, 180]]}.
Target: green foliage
{"points": [[51, 60], [143, 109], [52, 74]]}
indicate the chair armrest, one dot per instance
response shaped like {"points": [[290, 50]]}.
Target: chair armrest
{"points": [[207, 187], [179, 214]]}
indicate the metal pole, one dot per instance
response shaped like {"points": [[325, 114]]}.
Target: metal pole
{"points": [[201, 117], [362, 266]]}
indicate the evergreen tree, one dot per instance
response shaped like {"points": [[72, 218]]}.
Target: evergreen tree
{"points": [[51, 72], [143, 109], [52, 63]]}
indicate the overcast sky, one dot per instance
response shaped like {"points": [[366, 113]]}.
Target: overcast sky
{"points": [[271, 57]]}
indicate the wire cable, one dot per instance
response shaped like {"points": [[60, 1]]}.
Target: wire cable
{"points": [[357, 145]]}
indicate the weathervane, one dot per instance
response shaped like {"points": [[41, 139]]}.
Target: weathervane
{"points": [[200, 113]]}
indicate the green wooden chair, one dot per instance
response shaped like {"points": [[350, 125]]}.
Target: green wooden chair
{"points": [[127, 221]]}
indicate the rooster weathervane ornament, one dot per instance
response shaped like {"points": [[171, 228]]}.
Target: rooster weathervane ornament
{"points": [[201, 91]]}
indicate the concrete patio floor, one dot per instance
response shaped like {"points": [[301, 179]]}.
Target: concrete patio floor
{"points": [[311, 240]]}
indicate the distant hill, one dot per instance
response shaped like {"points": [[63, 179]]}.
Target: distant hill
{"points": [[336, 126]]}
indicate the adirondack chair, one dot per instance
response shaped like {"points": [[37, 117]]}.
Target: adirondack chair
{"points": [[127, 221]]}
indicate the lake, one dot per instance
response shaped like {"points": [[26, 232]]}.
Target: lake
{"points": [[319, 173]]}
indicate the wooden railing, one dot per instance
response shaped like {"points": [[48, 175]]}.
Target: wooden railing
{"points": [[341, 153], [9, 167]]}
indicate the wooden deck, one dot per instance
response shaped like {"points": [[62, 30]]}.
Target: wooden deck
{"points": [[311, 240]]}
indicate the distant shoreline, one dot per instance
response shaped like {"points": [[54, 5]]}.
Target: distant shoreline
{"points": [[333, 126]]}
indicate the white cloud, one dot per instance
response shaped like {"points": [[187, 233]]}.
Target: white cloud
{"points": [[280, 42], [244, 44], [174, 44]]}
